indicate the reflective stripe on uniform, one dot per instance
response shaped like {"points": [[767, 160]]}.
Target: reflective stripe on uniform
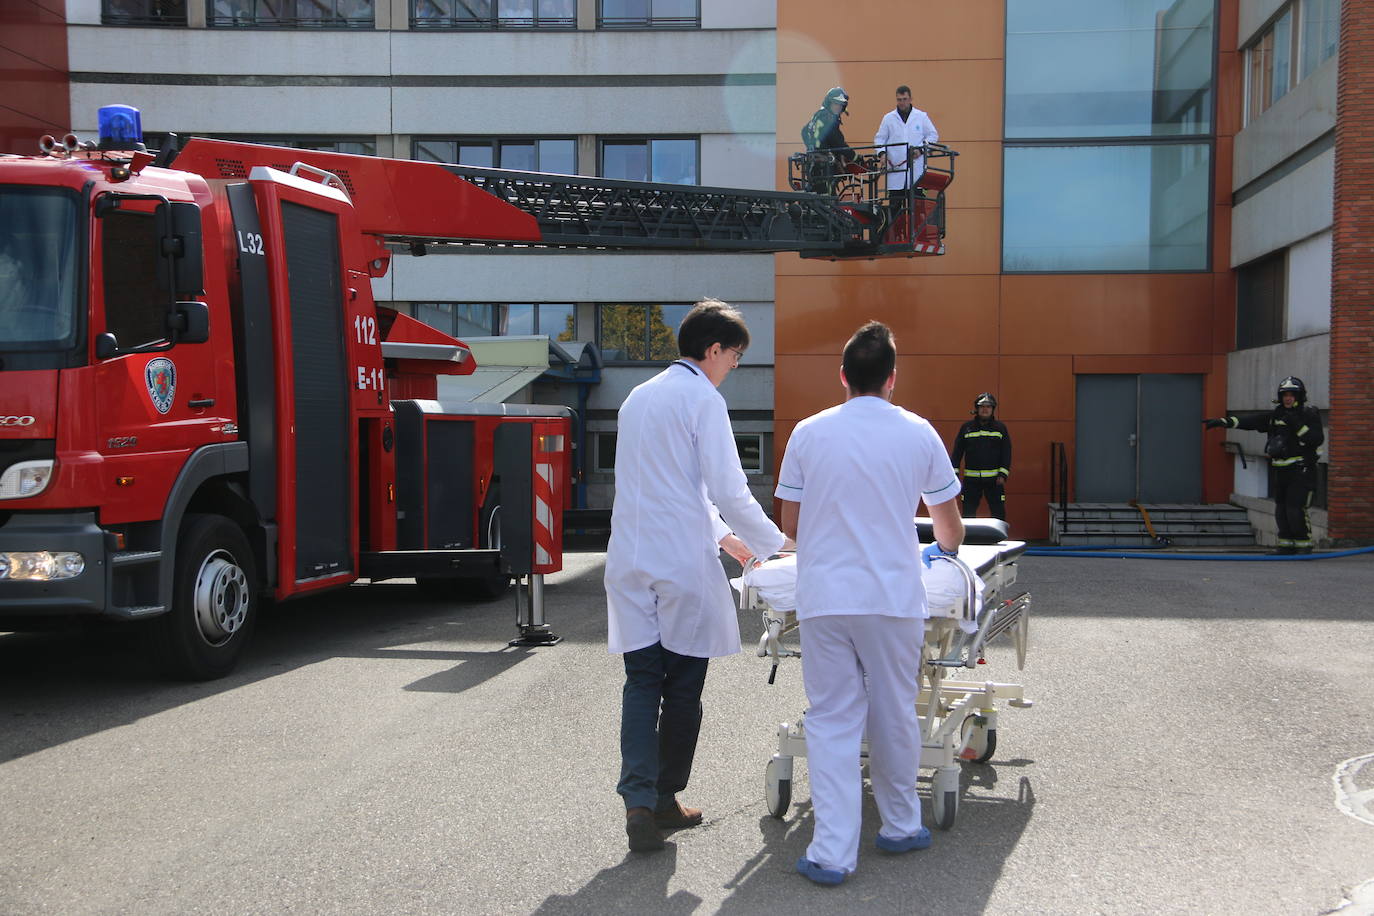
{"points": [[987, 432], [1303, 431], [1285, 462], [992, 473]]}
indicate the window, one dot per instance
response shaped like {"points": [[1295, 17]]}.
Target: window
{"points": [[670, 160], [493, 14], [1269, 70], [525, 154], [1261, 294], [557, 321], [649, 14], [1120, 207], [143, 12], [640, 333], [1084, 68], [1321, 31], [39, 270], [1299, 39], [459, 319], [605, 452], [135, 309], [292, 14], [355, 146], [750, 448], [1109, 135]]}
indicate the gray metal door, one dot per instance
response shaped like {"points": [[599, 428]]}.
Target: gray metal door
{"points": [[1170, 438], [1138, 437], [1105, 439]]}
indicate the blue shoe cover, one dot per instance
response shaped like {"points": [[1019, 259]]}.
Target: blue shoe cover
{"points": [[918, 840], [808, 869]]}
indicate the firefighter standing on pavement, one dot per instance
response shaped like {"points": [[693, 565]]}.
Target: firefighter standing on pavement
{"points": [[1295, 434], [984, 446]]}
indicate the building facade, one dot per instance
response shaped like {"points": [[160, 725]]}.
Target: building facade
{"points": [[1140, 235], [661, 90]]}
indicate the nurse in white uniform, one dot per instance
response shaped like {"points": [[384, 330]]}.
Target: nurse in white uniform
{"points": [[851, 482], [670, 609]]}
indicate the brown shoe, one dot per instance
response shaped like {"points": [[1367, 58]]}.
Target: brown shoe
{"points": [[643, 832], [677, 817]]}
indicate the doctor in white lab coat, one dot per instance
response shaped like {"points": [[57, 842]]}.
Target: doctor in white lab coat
{"points": [[670, 609], [901, 130]]}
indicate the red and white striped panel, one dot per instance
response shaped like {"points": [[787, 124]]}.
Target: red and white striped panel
{"points": [[544, 548]]}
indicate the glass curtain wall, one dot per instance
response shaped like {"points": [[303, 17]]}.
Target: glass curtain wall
{"points": [[1109, 135]]}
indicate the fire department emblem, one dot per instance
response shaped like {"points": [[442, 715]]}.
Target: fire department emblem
{"points": [[161, 379]]}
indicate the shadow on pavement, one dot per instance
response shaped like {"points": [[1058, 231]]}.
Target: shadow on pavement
{"points": [[638, 885]]}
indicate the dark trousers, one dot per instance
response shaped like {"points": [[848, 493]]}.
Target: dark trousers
{"points": [[977, 488], [1292, 495], [660, 717]]}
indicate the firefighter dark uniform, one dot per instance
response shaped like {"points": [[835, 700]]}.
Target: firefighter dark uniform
{"points": [[823, 132], [984, 446], [1295, 435]]}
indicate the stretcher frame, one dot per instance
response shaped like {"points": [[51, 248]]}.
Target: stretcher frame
{"points": [[958, 717]]}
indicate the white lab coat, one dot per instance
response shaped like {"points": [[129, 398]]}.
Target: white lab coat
{"points": [[677, 472], [897, 136]]}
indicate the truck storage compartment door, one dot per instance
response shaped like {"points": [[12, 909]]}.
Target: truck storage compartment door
{"points": [[322, 442], [304, 225]]}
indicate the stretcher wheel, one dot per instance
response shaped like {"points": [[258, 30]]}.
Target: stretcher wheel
{"points": [[777, 788], [945, 807], [944, 796], [981, 745]]}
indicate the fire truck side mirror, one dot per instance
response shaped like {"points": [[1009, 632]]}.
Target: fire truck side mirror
{"points": [[181, 268], [192, 323], [106, 346]]}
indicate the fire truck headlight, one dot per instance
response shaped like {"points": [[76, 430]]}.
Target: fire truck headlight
{"points": [[41, 565], [26, 478]]}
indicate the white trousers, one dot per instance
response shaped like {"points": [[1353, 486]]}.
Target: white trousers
{"points": [[837, 653]]}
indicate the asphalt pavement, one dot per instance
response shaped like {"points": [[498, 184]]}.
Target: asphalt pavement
{"points": [[1201, 742]]}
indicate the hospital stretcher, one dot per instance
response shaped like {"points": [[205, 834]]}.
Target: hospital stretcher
{"points": [[958, 717]]}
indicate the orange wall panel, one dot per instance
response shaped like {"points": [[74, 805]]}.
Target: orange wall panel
{"points": [[811, 31], [941, 388], [1034, 388], [1096, 314], [951, 314]]}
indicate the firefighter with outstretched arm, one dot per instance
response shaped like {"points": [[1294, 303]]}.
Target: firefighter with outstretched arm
{"points": [[1295, 437]]}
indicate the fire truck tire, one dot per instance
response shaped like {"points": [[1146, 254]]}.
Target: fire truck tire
{"points": [[467, 588], [215, 601]]}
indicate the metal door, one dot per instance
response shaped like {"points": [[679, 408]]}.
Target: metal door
{"points": [[1139, 437], [1170, 439], [1105, 439]]}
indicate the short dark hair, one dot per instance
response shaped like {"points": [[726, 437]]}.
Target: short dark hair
{"points": [[903, 89], [869, 358], [711, 321]]}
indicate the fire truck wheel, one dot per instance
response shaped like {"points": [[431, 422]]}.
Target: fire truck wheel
{"points": [[214, 600], [468, 588]]}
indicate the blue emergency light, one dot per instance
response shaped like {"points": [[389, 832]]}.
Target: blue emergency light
{"points": [[120, 126]]}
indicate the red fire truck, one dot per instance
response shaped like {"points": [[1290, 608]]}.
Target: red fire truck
{"points": [[202, 407]]}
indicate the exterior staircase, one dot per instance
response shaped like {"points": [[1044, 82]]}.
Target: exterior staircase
{"points": [[1122, 525]]}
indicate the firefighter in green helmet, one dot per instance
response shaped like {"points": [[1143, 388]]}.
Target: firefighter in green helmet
{"points": [[984, 446], [823, 134]]}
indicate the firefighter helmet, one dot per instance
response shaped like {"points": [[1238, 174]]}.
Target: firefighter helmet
{"points": [[1294, 385], [984, 398], [836, 94]]}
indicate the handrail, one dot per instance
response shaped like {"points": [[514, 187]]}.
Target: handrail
{"points": [[1059, 482]]}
